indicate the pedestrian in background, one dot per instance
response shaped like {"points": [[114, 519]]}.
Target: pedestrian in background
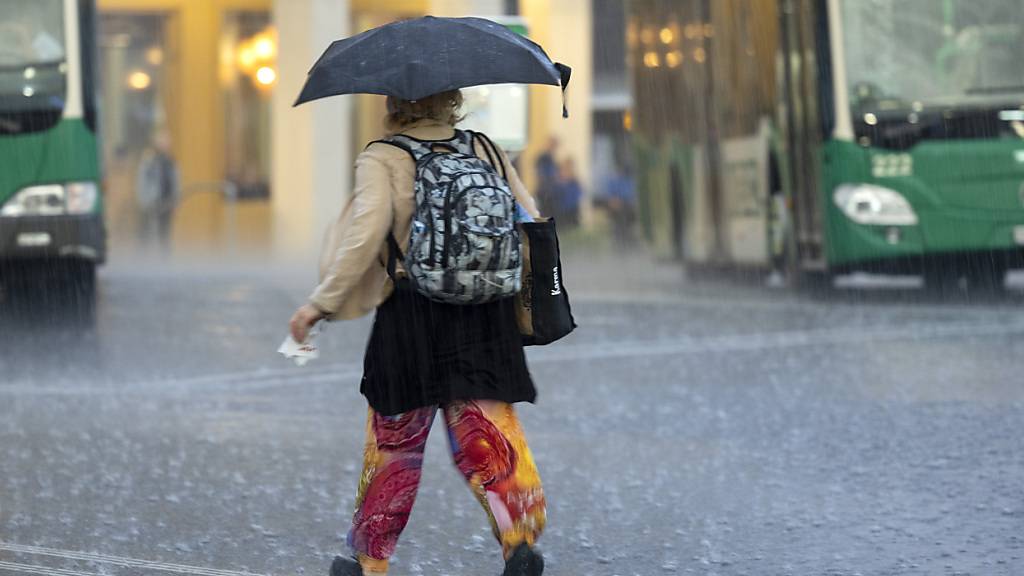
{"points": [[569, 196], [620, 202], [157, 192], [546, 171], [423, 355]]}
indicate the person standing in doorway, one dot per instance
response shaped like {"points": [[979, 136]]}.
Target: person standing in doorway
{"points": [[157, 192]]}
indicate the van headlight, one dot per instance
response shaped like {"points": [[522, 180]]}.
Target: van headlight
{"points": [[870, 204], [53, 200]]}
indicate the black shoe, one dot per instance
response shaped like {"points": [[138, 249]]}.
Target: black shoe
{"points": [[524, 561], [345, 567]]}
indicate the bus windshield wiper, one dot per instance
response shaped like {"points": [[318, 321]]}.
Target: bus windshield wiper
{"points": [[23, 65], [994, 89]]}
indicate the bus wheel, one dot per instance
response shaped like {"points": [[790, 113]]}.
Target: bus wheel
{"points": [[815, 281], [51, 291], [987, 277], [80, 286], [67, 291], [943, 279]]}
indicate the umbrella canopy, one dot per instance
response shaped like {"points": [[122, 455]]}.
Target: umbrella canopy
{"points": [[413, 59]]}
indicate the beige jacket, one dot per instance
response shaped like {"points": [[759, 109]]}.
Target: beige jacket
{"points": [[353, 277]]}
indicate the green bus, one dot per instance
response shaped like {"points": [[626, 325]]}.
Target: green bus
{"points": [[820, 137], [51, 206]]}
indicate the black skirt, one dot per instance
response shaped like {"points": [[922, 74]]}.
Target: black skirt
{"points": [[425, 353]]}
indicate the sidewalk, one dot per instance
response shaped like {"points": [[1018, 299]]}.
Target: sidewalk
{"points": [[618, 275]]}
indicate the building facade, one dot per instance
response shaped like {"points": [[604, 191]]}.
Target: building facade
{"points": [[217, 78]]}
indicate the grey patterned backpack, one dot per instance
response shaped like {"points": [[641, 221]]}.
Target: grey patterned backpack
{"points": [[464, 245]]}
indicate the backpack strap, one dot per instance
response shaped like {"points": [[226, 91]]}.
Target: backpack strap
{"points": [[394, 254], [416, 149], [491, 151], [461, 142], [394, 251]]}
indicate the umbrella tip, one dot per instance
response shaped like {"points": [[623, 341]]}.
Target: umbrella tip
{"points": [[564, 73]]}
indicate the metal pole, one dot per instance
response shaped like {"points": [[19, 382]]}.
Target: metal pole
{"points": [[231, 197], [714, 161]]}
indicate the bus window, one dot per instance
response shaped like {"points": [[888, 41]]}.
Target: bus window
{"points": [[915, 62], [32, 65]]}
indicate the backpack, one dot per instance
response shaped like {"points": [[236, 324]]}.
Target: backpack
{"points": [[464, 245]]}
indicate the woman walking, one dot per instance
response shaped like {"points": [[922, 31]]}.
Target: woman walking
{"points": [[465, 360]]}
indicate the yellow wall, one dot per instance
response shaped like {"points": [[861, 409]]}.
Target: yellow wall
{"points": [[196, 117], [311, 151], [466, 7], [563, 28], [408, 7]]}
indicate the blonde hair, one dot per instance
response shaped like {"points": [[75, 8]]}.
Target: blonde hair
{"points": [[444, 107]]}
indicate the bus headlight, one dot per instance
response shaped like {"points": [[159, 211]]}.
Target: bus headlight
{"points": [[52, 200], [80, 197], [870, 204]]}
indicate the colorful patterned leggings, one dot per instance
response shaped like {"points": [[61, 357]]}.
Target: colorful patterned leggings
{"points": [[489, 449]]}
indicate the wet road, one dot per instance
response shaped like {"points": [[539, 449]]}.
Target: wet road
{"points": [[688, 428]]}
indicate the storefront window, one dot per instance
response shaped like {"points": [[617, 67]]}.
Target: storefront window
{"points": [[248, 55], [133, 65]]}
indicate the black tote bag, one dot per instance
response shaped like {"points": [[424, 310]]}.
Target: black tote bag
{"points": [[543, 310]]}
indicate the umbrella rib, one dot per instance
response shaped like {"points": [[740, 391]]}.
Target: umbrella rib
{"points": [[355, 40], [447, 62], [530, 44]]}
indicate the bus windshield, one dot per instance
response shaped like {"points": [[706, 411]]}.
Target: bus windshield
{"points": [[903, 53], [32, 59]]}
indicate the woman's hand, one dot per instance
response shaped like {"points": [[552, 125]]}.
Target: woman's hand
{"points": [[303, 320]]}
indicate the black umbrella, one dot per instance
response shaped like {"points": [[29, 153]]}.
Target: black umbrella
{"points": [[413, 59]]}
